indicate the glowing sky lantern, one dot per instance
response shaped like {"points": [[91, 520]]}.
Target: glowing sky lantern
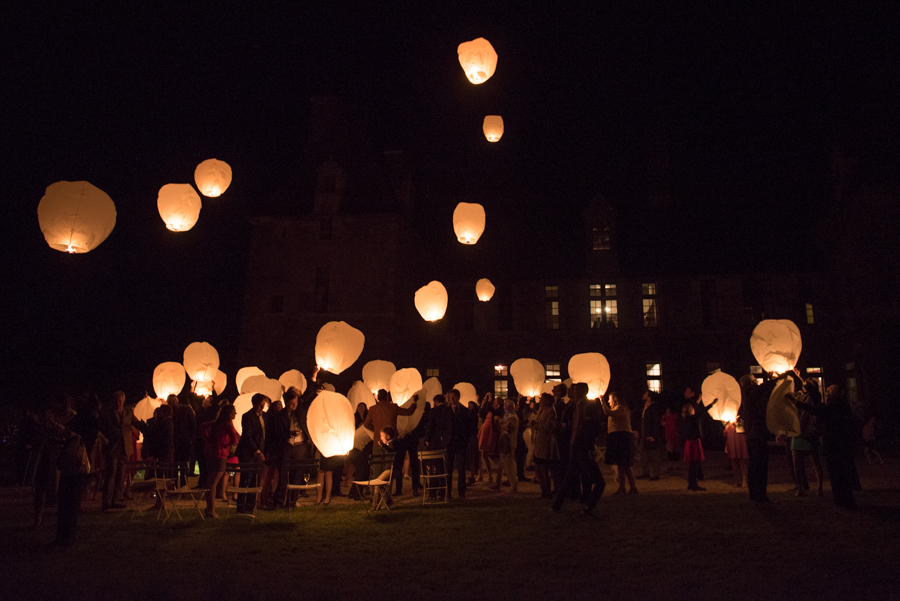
{"points": [[201, 361], [75, 217], [292, 378], [212, 177], [408, 423], [467, 393], [468, 222], [270, 387], [432, 388], [725, 388], [781, 413], [146, 406], [330, 423], [776, 345], [528, 376], [179, 206], [431, 301], [404, 384], [593, 370], [204, 387], [220, 381], [484, 290], [168, 378], [244, 373], [360, 393], [338, 346], [493, 128], [377, 375], [478, 59]]}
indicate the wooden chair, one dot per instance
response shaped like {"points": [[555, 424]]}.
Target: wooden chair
{"points": [[143, 483], [250, 474], [381, 476], [172, 486], [307, 470], [433, 474]]}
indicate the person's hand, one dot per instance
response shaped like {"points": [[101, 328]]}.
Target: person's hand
{"points": [[415, 398], [714, 402], [315, 373]]}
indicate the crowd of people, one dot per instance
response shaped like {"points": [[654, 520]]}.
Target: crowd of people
{"points": [[562, 436]]}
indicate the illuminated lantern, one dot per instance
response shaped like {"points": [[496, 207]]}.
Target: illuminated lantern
{"points": [[478, 59], [776, 345], [725, 388], [432, 387], [361, 438], [168, 378], [292, 378], [493, 128], [220, 381], [201, 361], [431, 301], [549, 386], [330, 423], [203, 387], [179, 206], [270, 387], [781, 413], [328, 387], [466, 393], [75, 217], [145, 408], [484, 290], [377, 375], [404, 384], [468, 222], [338, 346], [528, 376], [593, 370], [212, 177], [244, 373], [408, 423], [360, 393]]}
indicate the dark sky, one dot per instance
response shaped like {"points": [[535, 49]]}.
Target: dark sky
{"points": [[748, 105]]}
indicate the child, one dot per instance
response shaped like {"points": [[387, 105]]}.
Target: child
{"points": [[736, 447], [673, 441], [693, 448]]}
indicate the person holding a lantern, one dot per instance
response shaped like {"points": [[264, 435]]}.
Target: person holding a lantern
{"points": [[755, 400], [384, 415]]}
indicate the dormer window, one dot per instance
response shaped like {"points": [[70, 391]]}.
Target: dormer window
{"points": [[600, 238]]}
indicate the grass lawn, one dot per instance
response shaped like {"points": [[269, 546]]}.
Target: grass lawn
{"points": [[665, 543]]}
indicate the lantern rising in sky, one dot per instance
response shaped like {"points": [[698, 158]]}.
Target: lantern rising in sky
{"points": [[168, 378], [201, 361], [484, 290], [338, 346], [377, 375], [493, 128], [405, 383], [593, 370], [212, 177], [478, 59], [179, 206], [468, 222], [776, 345], [528, 376], [75, 217], [431, 301], [725, 388]]}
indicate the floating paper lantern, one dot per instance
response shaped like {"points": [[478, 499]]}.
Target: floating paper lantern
{"points": [[405, 383], [292, 378], [478, 59], [528, 376], [75, 217], [244, 373], [776, 345], [212, 177], [220, 381], [146, 406], [408, 423], [468, 222], [179, 206], [204, 387], [269, 387], [377, 375], [360, 393], [493, 128], [725, 388], [242, 405], [593, 370], [168, 378], [338, 346], [432, 387], [201, 361], [484, 290], [330, 423], [467, 393], [781, 413], [431, 301]]}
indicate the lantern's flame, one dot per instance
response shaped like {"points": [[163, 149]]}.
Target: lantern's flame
{"points": [[69, 249], [214, 191]]}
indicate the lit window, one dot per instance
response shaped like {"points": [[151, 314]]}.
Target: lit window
{"points": [[650, 308], [551, 370], [604, 307], [757, 369], [809, 314], [654, 377], [654, 369], [551, 291], [813, 370], [553, 315], [432, 373], [501, 388], [501, 370], [600, 238], [654, 386]]}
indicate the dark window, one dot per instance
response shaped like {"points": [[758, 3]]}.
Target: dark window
{"points": [[600, 238], [320, 299]]}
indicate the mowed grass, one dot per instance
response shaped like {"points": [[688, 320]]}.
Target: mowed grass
{"points": [[665, 543]]}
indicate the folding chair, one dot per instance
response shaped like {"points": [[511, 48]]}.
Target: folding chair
{"points": [[250, 473], [433, 475], [143, 483], [381, 475], [305, 469], [169, 486]]}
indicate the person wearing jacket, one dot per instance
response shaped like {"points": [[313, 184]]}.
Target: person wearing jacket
{"points": [[652, 437]]}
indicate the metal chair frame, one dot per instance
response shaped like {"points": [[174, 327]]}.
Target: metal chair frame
{"points": [[245, 470], [378, 486], [427, 479], [302, 466]]}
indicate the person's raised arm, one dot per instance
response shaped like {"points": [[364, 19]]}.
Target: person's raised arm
{"points": [[411, 409]]}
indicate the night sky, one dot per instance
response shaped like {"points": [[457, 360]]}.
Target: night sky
{"points": [[749, 106]]}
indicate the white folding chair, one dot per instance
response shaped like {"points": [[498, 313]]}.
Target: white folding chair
{"points": [[248, 473], [308, 470], [143, 483], [381, 475], [433, 474]]}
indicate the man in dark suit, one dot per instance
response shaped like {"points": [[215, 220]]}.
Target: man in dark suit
{"points": [[652, 437], [438, 432], [251, 448], [459, 443]]}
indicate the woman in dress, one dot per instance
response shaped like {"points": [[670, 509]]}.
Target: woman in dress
{"points": [[221, 438], [736, 447], [618, 442], [491, 412], [546, 450]]}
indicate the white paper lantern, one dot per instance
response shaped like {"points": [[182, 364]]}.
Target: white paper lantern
{"points": [[179, 206], [781, 414], [528, 376], [145, 408], [244, 373], [404, 384], [242, 405], [328, 387], [493, 128], [204, 387], [220, 381], [725, 388], [776, 345], [484, 290], [408, 423], [547, 387], [467, 393], [478, 59], [377, 375], [330, 423], [593, 370], [168, 378], [431, 301], [75, 217], [201, 361], [293, 378], [361, 438], [360, 393], [270, 387], [432, 387], [338, 346], [468, 222], [212, 177]]}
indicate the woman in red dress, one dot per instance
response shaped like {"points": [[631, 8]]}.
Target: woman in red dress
{"points": [[221, 437]]}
